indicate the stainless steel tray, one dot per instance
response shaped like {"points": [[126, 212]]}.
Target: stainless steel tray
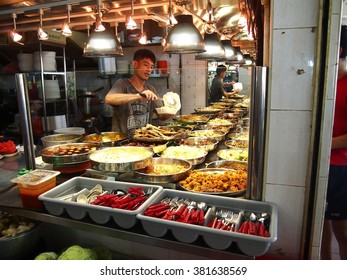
{"points": [[215, 171], [149, 177], [106, 139], [121, 159], [59, 155]]}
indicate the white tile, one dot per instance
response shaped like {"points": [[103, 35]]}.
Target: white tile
{"points": [[290, 218], [189, 76], [326, 138], [295, 13], [319, 211], [333, 56], [288, 147], [292, 72], [188, 59]]}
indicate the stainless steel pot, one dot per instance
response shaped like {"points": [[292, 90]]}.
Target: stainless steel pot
{"points": [[89, 103]]}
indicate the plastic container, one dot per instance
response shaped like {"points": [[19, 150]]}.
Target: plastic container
{"points": [[34, 183], [251, 245], [99, 214]]}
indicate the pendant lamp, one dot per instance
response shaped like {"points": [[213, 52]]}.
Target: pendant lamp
{"points": [[102, 42], [214, 48], [184, 37], [230, 52]]}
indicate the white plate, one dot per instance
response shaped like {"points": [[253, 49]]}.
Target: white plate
{"points": [[9, 155]]}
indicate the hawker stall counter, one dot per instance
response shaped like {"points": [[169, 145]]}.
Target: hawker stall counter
{"points": [[10, 201]]}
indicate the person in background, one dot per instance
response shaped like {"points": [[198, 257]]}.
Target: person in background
{"points": [[133, 99], [217, 90], [335, 222]]}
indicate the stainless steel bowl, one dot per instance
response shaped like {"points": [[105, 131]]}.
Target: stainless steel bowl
{"points": [[58, 155], [20, 246], [156, 147], [121, 159], [229, 164], [58, 139], [209, 144], [237, 144], [146, 175], [105, 139], [217, 134], [175, 152]]}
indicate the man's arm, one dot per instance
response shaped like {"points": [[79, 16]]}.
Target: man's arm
{"points": [[339, 142]]}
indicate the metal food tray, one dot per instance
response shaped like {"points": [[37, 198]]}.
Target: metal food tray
{"points": [[238, 193], [218, 239], [99, 214], [105, 138], [49, 154], [165, 178], [125, 165]]}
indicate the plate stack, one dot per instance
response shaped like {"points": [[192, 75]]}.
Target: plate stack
{"points": [[123, 66], [52, 89], [25, 62], [49, 62]]}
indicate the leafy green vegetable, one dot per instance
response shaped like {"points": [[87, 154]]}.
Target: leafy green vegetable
{"points": [[76, 252], [47, 256]]}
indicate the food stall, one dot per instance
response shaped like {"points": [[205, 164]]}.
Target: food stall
{"points": [[193, 170]]}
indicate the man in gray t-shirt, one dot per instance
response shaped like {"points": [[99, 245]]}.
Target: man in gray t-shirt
{"points": [[134, 100]]}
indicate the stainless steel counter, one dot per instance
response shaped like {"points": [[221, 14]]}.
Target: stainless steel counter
{"points": [[10, 202]]}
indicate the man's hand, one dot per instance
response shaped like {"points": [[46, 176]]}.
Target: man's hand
{"points": [[149, 95]]}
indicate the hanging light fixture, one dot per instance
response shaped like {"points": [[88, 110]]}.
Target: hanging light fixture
{"points": [[210, 25], [65, 29], [238, 57], [230, 52], [16, 37], [130, 23], [171, 20], [184, 37], [102, 43], [41, 34], [99, 27], [214, 48], [143, 36]]}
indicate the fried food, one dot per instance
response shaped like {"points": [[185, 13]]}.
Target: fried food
{"points": [[227, 181]]}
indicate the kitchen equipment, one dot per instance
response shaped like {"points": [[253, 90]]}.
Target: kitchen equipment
{"points": [[57, 139], [215, 238], [34, 183], [20, 246], [89, 103], [121, 159], [99, 214], [108, 139], [48, 58], [70, 130], [165, 170], [68, 153]]}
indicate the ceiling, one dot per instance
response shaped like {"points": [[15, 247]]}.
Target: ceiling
{"points": [[83, 12]]}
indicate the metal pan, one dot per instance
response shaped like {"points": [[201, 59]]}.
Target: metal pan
{"points": [[106, 139], [216, 171], [150, 176], [71, 153], [121, 159]]}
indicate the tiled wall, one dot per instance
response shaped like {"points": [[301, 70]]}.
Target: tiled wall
{"points": [[290, 111]]}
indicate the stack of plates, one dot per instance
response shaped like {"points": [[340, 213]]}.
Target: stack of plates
{"points": [[123, 66], [52, 89], [49, 63], [25, 62], [55, 122]]}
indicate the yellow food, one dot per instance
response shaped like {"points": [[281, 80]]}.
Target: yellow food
{"points": [[215, 182]]}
